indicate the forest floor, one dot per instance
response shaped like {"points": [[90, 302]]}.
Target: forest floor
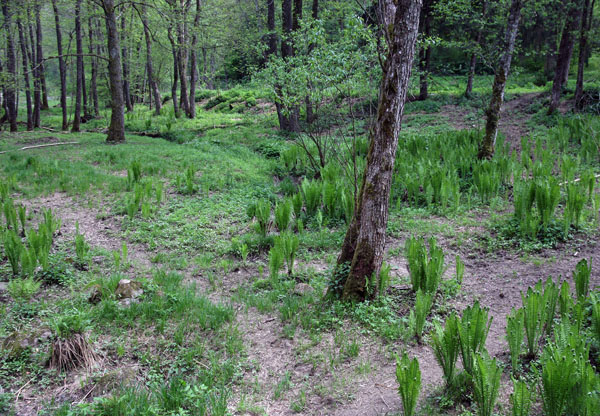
{"points": [[210, 327]]}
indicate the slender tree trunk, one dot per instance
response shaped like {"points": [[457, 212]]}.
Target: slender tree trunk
{"points": [[22, 42], [37, 73], [175, 74], [61, 68], [40, 57], [473, 62], [194, 63], [310, 115], [116, 130], [488, 145], [11, 67], [425, 51], [125, 63], [364, 243], [565, 52], [155, 93], [94, 70], [586, 24], [287, 122], [79, 68], [272, 37]]}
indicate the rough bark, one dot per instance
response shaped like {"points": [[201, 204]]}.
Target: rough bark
{"points": [[364, 243], [488, 144], [79, 68], [61, 68], [473, 61], [586, 24], [149, 67], [94, 70], [175, 74], [116, 130], [194, 62], [125, 63], [27, 85], [272, 36], [11, 66], [565, 52]]}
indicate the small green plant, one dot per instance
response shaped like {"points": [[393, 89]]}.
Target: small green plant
{"points": [[581, 276], [312, 192], [13, 247], [473, 329], [533, 317], [425, 270], [276, 260], [283, 215], [596, 318], [262, 213], [558, 379], [514, 336], [22, 218], [565, 301], [82, 248], [576, 199], [486, 383], [134, 173], [384, 278], [520, 399], [22, 290], [460, 270], [422, 308], [408, 376], [244, 251], [446, 346], [287, 244]]}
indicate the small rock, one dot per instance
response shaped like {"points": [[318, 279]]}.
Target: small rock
{"points": [[302, 289], [98, 259], [95, 295], [128, 289]]}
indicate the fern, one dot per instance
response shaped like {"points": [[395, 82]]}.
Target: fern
{"points": [[425, 270], [408, 376], [423, 304], [446, 346], [473, 329], [520, 399], [533, 314], [581, 276], [312, 191], [565, 301], [287, 244], [276, 260], [558, 379], [514, 336], [283, 215], [486, 383]]}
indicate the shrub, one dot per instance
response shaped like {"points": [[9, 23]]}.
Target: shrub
{"points": [[425, 271], [408, 376]]}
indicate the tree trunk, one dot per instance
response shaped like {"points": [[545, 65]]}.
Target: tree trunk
{"points": [[286, 26], [36, 70], [79, 68], [125, 63], [473, 62], [194, 63], [586, 24], [94, 70], [425, 51], [11, 67], [310, 115], [565, 52], [116, 130], [272, 37], [149, 69], [175, 74], [364, 243], [288, 118], [22, 41], [61, 68], [488, 144], [40, 57]]}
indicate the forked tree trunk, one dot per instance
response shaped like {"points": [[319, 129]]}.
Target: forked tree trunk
{"points": [[364, 243], [11, 66], [565, 52], [586, 24], [61, 68], [473, 62], [149, 68], [79, 68], [488, 144], [116, 130], [23, 44]]}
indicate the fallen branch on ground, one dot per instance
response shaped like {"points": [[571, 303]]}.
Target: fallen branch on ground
{"points": [[38, 146]]}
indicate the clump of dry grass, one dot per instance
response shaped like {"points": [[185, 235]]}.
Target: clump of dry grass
{"points": [[72, 352]]}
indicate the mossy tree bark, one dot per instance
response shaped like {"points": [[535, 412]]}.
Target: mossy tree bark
{"points": [[364, 243], [488, 144], [116, 130], [565, 52]]}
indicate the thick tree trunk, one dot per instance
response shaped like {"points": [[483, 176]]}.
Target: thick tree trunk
{"points": [[149, 68], [116, 130], [364, 243], [473, 62], [488, 144], [125, 63], [79, 68], [272, 36], [11, 67], [40, 57], [22, 42], [94, 70], [61, 68], [194, 62], [286, 26], [586, 24], [565, 52]]}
